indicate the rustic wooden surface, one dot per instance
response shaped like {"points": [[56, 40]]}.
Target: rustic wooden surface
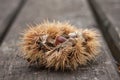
{"points": [[13, 67], [107, 13], [9, 10]]}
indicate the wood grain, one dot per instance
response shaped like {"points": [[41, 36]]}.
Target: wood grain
{"points": [[35, 11], [9, 10], [107, 11]]}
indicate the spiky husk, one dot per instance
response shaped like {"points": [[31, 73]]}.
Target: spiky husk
{"points": [[67, 55]]}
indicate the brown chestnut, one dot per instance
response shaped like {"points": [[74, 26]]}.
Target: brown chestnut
{"points": [[60, 39]]}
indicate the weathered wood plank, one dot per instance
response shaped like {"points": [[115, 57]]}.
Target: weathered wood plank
{"points": [[107, 12], [8, 12], [79, 14]]}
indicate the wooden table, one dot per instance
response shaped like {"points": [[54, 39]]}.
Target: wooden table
{"points": [[78, 12]]}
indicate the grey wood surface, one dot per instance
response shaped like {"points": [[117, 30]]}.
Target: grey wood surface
{"points": [[111, 8], [107, 12], [114, 18], [13, 67], [8, 12]]}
